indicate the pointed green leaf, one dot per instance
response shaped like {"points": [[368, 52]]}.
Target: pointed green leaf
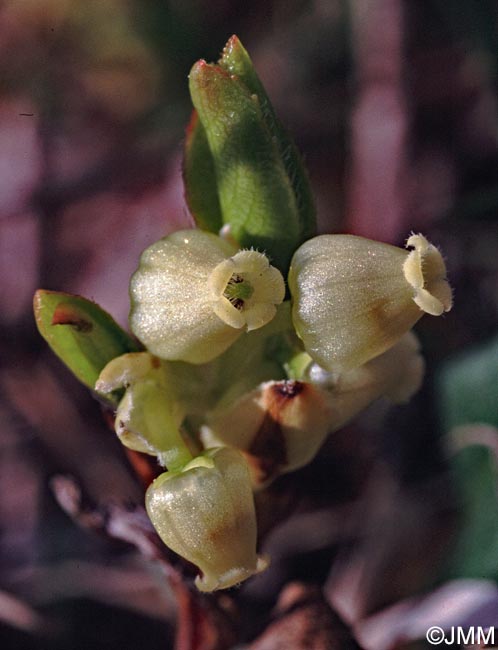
{"points": [[81, 334], [199, 178], [256, 196], [236, 61]]}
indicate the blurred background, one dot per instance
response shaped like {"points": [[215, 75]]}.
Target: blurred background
{"points": [[394, 527]]}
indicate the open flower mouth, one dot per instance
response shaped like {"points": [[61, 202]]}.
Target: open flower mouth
{"points": [[193, 295], [354, 298], [246, 289], [238, 291], [425, 271]]}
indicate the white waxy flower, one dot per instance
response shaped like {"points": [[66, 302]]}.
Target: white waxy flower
{"points": [[149, 414], [281, 425], [193, 295], [425, 271], [205, 513], [354, 298], [396, 374]]}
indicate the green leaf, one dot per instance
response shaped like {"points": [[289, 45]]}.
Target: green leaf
{"points": [[262, 187], [236, 61], [81, 334], [255, 194], [467, 387], [199, 178], [476, 478]]}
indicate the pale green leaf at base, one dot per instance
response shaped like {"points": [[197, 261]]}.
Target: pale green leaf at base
{"points": [[475, 554], [81, 334], [467, 387]]}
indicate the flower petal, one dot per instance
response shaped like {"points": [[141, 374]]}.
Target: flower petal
{"points": [[354, 298], [205, 513], [351, 299], [259, 315], [172, 311]]}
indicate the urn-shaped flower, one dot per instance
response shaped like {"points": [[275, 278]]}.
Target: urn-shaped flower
{"points": [[354, 298], [194, 294], [205, 513]]}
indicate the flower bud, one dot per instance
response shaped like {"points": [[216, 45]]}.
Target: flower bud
{"points": [[205, 513], [149, 414], [354, 298], [193, 295]]}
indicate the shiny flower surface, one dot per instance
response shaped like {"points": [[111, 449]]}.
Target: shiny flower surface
{"points": [[193, 295], [354, 298], [205, 513]]}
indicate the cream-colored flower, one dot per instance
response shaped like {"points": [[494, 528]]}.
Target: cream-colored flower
{"points": [[425, 271], [150, 412], [354, 298], [396, 374], [193, 295], [205, 513], [281, 425]]}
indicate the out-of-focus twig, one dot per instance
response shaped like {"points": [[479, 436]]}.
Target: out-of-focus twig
{"points": [[20, 615], [202, 623], [304, 621]]}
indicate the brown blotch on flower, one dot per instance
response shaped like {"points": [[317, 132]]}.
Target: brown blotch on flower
{"points": [[267, 454], [268, 451], [270, 426], [288, 388]]}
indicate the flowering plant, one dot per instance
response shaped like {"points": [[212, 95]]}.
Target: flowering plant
{"points": [[253, 338]]}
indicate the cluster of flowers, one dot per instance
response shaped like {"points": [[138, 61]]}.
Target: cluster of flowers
{"points": [[244, 375]]}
